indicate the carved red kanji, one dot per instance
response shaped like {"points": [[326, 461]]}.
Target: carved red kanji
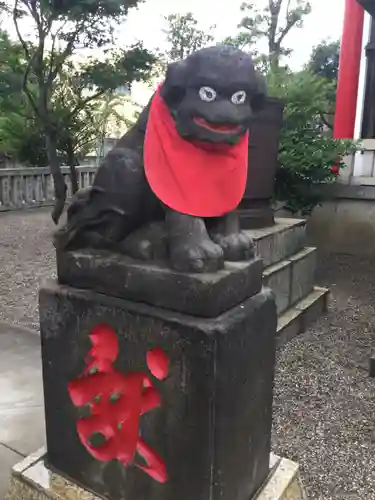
{"points": [[117, 402]]}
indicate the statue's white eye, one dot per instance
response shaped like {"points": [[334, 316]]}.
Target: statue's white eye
{"points": [[207, 94], [238, 97]]}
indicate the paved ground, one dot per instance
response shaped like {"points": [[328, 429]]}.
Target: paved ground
{"points": [[324, 401], [21, 398], [26, 258]]}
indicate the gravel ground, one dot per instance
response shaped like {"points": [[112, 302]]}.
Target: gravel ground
{"points": [[26, 258], [324, 401]]}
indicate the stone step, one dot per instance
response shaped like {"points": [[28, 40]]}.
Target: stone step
{"points": [[291, 279], [296, 319], [289, 269], [280, 241]]}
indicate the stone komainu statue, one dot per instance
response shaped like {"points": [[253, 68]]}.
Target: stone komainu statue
{"points": [[183, 163]]}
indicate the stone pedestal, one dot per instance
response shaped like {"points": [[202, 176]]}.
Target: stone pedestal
{"points": [[208, 421], [255, 208], [201, 295], [32, 480]]}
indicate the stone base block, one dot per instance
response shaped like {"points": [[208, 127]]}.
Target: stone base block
{"points": [[280, 241], [291, 279], [283, 483], [297, 318], [32, 480], [205, 295], [209, 423], [303, 273]]}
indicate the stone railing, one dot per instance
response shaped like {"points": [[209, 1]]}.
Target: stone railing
{"points": [[33, 187], [360, 169]]}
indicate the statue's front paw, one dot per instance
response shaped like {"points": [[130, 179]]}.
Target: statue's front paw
{"points": [[204, 257], [236, 246]]}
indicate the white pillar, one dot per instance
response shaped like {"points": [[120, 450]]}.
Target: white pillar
{"points": [[362, 77], [359, 164]]}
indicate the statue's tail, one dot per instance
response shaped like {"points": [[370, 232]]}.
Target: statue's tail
{"points": [[83, 217], [77, 213]]}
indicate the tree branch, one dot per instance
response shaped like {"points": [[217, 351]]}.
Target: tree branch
{"points": [[52, 52], [29, 95], [83, 103], [274, 9], [31, 7], [80, 144], [285, 31], [288, 9], [59, 60], [20, 37], [325, 121], [29, 58]]}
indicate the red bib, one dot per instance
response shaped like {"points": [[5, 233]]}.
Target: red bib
{"points": [[203, 180]]}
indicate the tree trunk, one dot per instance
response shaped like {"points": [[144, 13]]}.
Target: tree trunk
{"points": [[274, 55], [72, 162], [73, 177], [273, 48], [58, 179], [274, 61]]}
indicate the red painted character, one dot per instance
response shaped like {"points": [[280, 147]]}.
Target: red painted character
{"points": [[117, 401]]}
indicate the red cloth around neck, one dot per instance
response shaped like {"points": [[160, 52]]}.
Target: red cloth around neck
{"points": [[199, 179]]}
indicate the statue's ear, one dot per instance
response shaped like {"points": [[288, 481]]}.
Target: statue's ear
{"points": [[174, 86], [258, 101]]}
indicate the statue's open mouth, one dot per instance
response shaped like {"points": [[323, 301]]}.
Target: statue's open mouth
{"points": [[215, 127]]}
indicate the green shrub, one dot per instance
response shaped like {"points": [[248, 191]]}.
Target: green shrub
{"points": [[308, 155]]}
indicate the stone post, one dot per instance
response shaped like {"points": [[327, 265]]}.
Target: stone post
{"points": [[191, 363], [256, 206]]}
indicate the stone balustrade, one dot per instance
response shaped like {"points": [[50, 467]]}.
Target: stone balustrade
{"points": [[33, 187], [360, 167]]}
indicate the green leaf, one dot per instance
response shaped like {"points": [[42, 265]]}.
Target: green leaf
{"points": [[307, 150]]}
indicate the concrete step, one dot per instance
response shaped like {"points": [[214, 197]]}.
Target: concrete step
{"points": [[289, 270], [297, 318], [280, 241], [291, 279]]}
